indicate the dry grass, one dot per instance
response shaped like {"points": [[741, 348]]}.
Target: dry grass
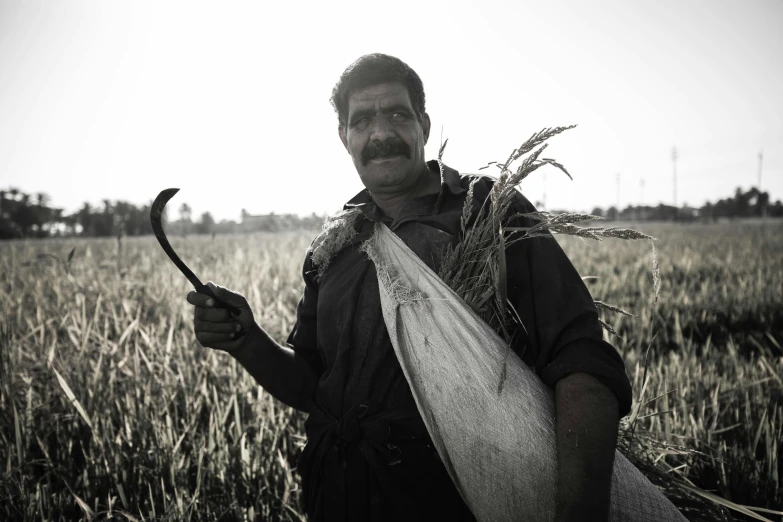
{"points": [[113, 408], [713, 381]]}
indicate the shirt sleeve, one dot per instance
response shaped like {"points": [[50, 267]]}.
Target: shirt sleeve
{"points": [[303, 338], [563, 334]]}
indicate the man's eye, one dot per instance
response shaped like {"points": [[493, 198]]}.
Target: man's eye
{"points": [[399, 116], [358, 122]]}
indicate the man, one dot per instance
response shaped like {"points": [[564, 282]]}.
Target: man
{"points": [[369, 456]]}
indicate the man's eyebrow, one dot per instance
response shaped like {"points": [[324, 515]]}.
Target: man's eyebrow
{"points": [[361, 112], [398, 107]]}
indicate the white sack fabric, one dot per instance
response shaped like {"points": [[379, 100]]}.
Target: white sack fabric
{"points": [[498, 449]]}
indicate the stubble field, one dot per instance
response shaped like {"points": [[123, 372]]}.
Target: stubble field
{"points": [[110, 408]]}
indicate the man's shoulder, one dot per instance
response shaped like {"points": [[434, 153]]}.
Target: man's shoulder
{"points": [[476, 185], [479, 186]]}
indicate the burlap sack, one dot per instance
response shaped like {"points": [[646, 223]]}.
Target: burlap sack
{"points": [[499, 449]]}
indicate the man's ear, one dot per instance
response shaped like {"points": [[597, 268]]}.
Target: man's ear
{"points": [[343, 136], [425, 125]]}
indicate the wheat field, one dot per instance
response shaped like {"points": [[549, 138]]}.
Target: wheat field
{"points": [[111, 409]]}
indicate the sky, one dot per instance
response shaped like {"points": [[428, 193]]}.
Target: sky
{"points": [[229, 101]]}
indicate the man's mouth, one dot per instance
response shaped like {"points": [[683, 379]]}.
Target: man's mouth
{"points": [[384, 151], [386, 157]]}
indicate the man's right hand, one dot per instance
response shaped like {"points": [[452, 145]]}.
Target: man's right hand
{"points": [[277, 368], [217, 327]]}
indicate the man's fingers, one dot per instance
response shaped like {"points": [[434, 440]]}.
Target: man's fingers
{"points": [[223, 296], [216, 326], [198, 299], [209, 339], [214, 315], [206, 326], [227, 296]]}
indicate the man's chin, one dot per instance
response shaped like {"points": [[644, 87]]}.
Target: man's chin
{"points": [[385, 172]]}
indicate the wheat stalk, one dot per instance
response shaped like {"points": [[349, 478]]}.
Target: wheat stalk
{"points": [[475, 268]]}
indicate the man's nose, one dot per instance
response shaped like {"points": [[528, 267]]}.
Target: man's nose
{"points": [[382, 129]]}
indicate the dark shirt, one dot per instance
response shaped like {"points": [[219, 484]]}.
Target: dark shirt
{"points": [[368, 455]]}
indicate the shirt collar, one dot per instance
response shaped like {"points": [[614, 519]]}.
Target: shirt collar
{"points": [[449, 182]]}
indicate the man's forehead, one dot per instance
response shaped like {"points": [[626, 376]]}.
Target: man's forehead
{"points": [[382, 94]]}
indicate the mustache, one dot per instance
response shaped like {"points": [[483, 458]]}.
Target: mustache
{"points": [[390, 147]]}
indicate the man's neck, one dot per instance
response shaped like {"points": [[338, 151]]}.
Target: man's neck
{"points": [[390, 203]]}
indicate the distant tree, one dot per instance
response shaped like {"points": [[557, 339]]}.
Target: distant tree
{"points": [[206, 224], [761, 203], [85, 219], [8, 227], [24, 215], [743, 204], [184, 212], [140, 221], [42, 214], [184, 218], [313, 222], [70, 221], [103, 222]]}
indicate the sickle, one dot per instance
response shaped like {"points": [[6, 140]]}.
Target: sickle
{"points": [[157, 227]]}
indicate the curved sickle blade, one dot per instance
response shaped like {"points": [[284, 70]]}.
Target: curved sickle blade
{"points": [[157, 227]]}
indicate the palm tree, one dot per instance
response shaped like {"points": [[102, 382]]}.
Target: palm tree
{"points": [[184, 217]]}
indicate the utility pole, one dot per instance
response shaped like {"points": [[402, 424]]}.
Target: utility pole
{"points": [[641, 192], [543, 197], [763, 209], [618, 195], [674, 181]]}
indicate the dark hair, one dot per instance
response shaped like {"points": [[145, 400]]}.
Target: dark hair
{"points": [[372, 69]]}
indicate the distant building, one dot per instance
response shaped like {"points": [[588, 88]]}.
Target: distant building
{"points": [[256, 223], [278, 222]]}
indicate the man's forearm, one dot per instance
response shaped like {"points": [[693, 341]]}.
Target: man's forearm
{"points": [[277, 369], [587, 420]]}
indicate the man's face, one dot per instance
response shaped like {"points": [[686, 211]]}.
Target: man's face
{"points": [[385, 138]]}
